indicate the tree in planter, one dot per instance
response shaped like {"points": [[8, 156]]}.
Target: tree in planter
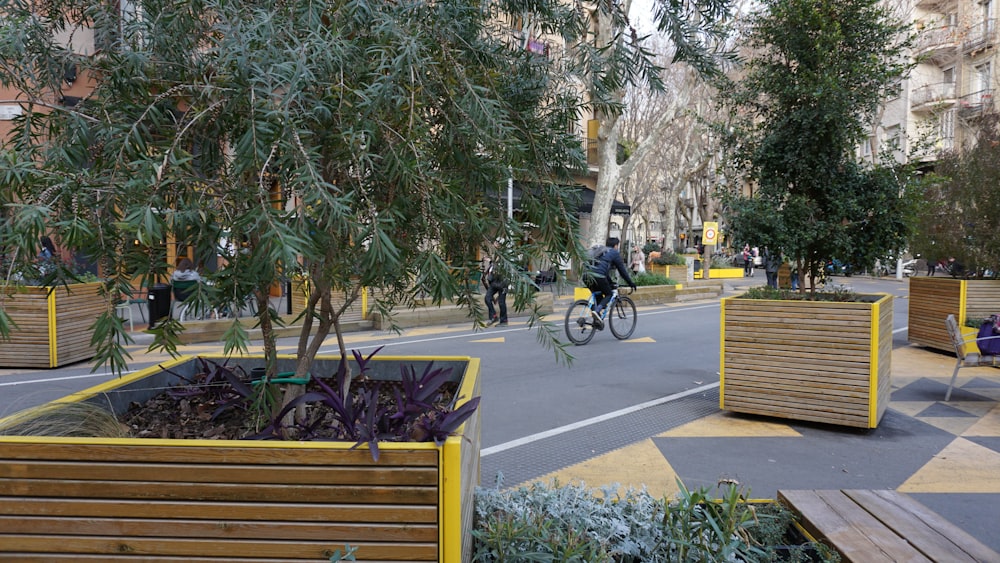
{"points": [[962, 217], [358, 144], [817, 72]]}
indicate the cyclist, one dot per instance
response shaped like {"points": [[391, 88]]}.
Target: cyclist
{"points": [[598, 276]]}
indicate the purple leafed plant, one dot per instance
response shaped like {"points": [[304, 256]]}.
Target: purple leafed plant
{"points": [[419, 408]]}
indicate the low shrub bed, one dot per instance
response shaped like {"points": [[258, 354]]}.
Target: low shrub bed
{"points": [[573, 523], [836, 294], [649, 278]]}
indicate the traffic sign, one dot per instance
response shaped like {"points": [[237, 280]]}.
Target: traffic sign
{"points": [[710, 233]]}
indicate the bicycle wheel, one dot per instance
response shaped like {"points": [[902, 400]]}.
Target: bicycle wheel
{"points": [[622, 318], [579, 324]]}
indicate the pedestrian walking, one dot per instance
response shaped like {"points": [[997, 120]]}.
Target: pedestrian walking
{"points": [[496, 293]]}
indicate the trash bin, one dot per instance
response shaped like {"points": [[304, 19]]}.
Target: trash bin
{"points": [[159, 302]]}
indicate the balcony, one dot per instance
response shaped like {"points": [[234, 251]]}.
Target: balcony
{"points": [[937, 45], [980, 37], [932, 96], [939, 6], [976, 104]]}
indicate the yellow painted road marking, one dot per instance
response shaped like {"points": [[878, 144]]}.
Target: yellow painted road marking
{"points": [[988, 425], [637, 465], [491, 340], [643, 339], [961, 467], [721, 425]]}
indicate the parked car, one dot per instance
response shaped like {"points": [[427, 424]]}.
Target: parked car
{"points": [[835, 267]]}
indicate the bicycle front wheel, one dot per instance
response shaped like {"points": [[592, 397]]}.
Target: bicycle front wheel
{"points": [[622, 318], [579, 323]]}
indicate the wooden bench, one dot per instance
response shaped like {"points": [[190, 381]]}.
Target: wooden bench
{"points": [[872, 526]]}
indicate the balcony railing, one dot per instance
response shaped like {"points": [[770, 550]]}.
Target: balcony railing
{"points": [[976, 103], [980, 36], [932, 94], [937, 42]]}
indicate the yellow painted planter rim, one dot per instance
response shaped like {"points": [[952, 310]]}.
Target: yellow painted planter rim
{"points": [[464, 393]]}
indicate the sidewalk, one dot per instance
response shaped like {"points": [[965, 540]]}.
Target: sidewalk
{"points": [[945, 455]]}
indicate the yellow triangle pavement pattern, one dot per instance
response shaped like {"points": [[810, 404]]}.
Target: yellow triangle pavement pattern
{"points": [[961, 467], [725, 425], [642, 464], [635, 466]]}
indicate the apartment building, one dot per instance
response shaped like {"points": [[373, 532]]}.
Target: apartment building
{"points": [[952, 86]]}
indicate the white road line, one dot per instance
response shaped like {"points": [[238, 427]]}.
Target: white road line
{"points": [[591, 421], [67, 378]]}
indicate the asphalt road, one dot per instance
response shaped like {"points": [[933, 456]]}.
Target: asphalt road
{"points": [[526, 390]]}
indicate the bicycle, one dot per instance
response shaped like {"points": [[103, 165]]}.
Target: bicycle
{"points": [[619, 315]]}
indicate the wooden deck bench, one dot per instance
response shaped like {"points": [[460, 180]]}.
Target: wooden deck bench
{"points": [[872, 526]]}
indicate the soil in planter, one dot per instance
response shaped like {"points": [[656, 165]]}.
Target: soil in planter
{"points": [[212, 408]]}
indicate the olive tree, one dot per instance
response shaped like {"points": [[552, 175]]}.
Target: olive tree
{"points": [[359, 144], [816, 74]]}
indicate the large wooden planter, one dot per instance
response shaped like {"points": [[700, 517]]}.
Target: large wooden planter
{"points": [[115, 499], [54, 325], [807, 360], [932, 299]]}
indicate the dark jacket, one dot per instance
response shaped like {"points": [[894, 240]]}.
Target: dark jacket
{"points": [[610, 259]]}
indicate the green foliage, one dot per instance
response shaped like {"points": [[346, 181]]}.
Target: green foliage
{"points": [[360, 143], [649, 278], [668, 258], [572, 523], [961, 218], [840, 294], [650, 247], [817, 74]]}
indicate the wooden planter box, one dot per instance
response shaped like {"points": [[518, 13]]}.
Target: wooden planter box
{"points": [[721, 273], [109, 499], [54, 325], [807, 360], [932, 299]]}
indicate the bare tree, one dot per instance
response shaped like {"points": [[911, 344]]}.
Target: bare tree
{"points": [[690, 28]]}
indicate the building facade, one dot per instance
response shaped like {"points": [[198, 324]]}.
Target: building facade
{"points": [[939, 106]]}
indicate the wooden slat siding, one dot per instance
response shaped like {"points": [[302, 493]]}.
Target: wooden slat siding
{"points": [[470, 442], [221, 512], [237, 500], [234, 529], [931, 301], [132, 558], [319, 550], [76, 312], [884, 368], [289, 475], [982, 298], [271, 502], [813, 364], [874, 526]]}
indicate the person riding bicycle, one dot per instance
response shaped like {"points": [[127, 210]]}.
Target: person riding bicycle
{"points": [[598, 276]]}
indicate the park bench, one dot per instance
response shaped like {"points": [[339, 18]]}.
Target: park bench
{"points": [[873, 526]]}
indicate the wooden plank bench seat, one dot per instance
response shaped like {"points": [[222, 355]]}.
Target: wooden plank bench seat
{"points": [[871, 526]]}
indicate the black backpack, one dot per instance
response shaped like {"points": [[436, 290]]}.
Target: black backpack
{"points": [[594, 255]]}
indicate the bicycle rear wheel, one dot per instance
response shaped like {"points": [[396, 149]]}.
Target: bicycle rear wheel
{"points": [[622, 318], [579, 323]]}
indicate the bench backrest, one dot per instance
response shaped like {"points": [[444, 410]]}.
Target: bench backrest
{"points": [[956, 336]]}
